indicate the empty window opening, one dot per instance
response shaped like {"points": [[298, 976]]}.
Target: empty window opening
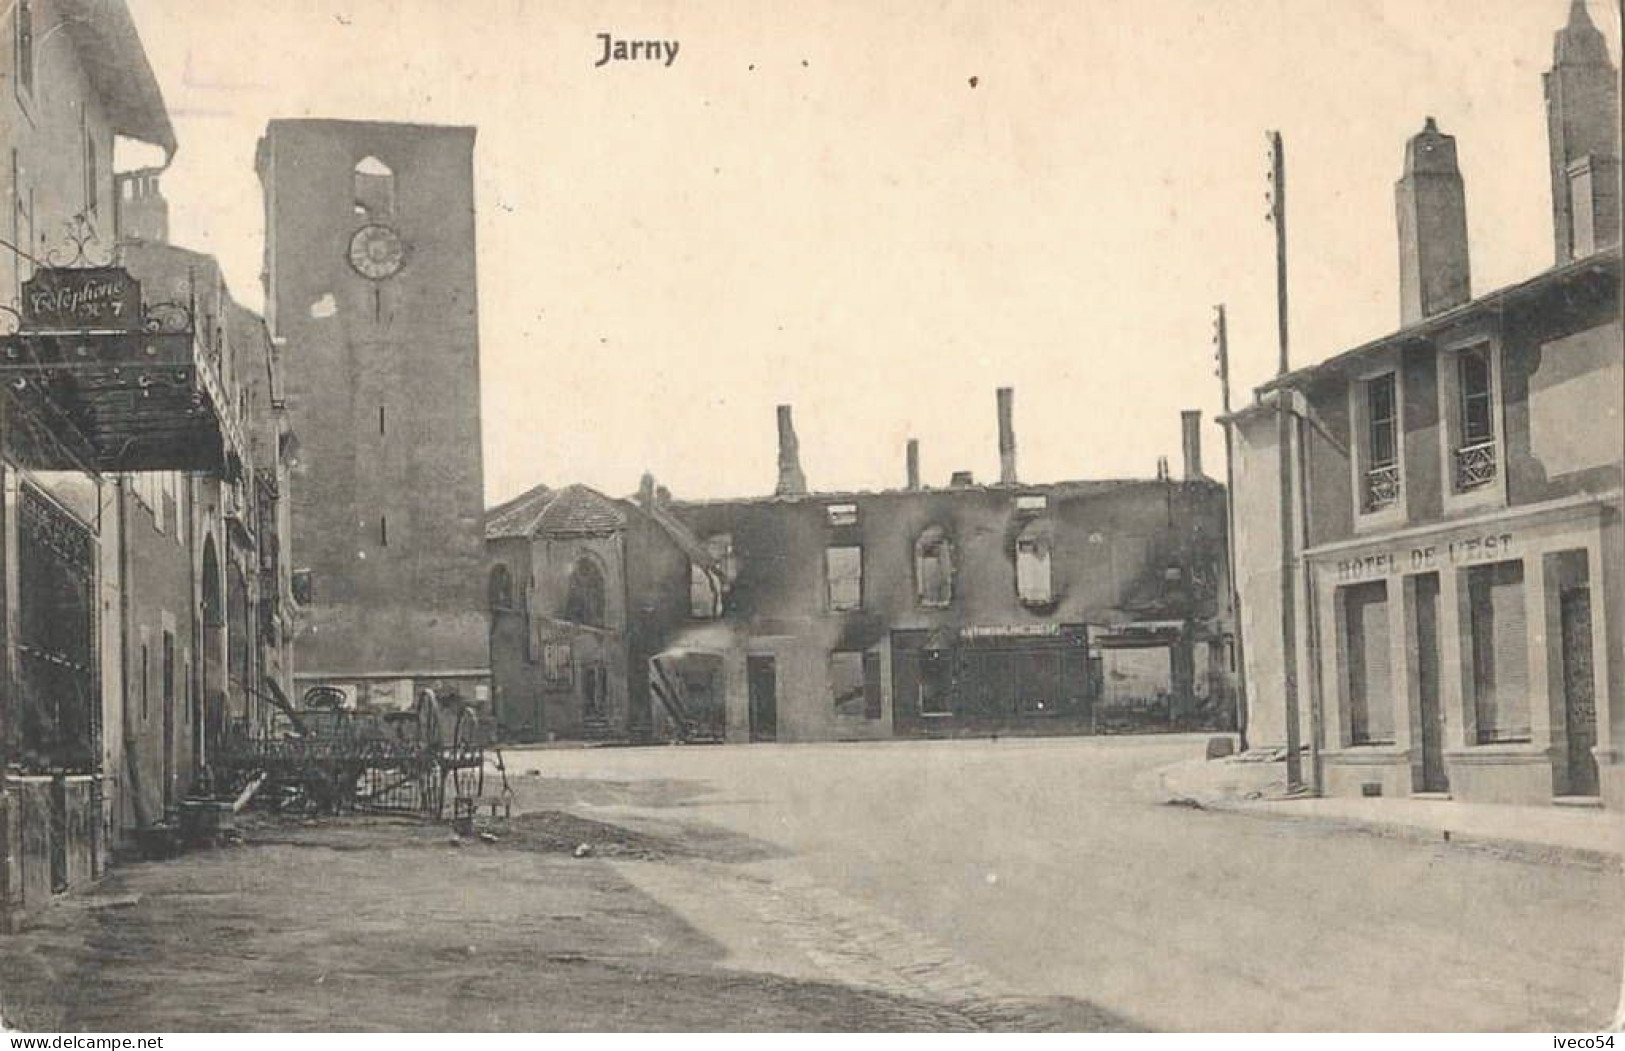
{"points": [[842, 514], [1033, 585], [934, 567], [584, 603], [843, 567], [374, 189]]}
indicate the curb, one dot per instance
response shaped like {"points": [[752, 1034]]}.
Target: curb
{"points": [[1519, 849]]}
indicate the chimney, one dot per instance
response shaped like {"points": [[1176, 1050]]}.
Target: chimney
{"points": [[913, 464], [1190, 428], [1582, 127], [646, 490], [140, 211], [791, 481], [1007, 437], [1432, 206]]}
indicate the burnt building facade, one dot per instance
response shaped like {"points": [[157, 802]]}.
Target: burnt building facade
{"points": [[370, 279], [1067, 607], [1456, 573]]}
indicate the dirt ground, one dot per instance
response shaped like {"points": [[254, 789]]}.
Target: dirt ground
{"points": [[369, 924]]}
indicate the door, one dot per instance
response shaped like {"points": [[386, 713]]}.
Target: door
{"points": [[1434, 778], [1579, 696], [763, 676]]}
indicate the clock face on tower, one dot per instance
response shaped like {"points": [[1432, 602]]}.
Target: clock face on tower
{"points": [[377, 252]]}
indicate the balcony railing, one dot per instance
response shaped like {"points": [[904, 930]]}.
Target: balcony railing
{"points": [[1381, 488], [1475, 466]]}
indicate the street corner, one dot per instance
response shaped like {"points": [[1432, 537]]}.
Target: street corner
{"points": [[1222, 781]]}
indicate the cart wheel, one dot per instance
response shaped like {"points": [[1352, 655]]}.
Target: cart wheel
{"points": [[428, 714], [468, 756]]}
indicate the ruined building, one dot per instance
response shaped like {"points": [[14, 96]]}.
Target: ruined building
{"points": [[1065, 607]]}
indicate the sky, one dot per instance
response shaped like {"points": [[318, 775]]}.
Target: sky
{"points": [[879, 213]]}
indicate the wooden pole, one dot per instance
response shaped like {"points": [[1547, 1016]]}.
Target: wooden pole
{"points": [[1284, 429]]}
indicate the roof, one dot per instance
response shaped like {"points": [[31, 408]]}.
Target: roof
{"points": [[518, 517], [1546, 280], [580, 511], [109, 49]]}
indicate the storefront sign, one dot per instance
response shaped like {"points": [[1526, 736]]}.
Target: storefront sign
{"points": [[1011, 631], [1423, 558], [103, 297]]}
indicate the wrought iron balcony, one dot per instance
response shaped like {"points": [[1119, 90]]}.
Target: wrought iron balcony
{"points": [[119, 384], [1475, 466], [1381, 488]]}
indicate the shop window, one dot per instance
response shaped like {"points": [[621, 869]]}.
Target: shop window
{"points": [[842, 514], [1365, 655], [934, 567], [704, 593], [500, 588], [374, 189], [1381, 485], [1500, 652], [843, 571], [1033, 584], [584, 602], [1474, 459]]}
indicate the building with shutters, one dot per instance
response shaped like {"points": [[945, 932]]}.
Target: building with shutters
{"points": [[1457, 569], [143, 456]]}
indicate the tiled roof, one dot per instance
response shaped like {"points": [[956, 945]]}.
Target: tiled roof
{"points": [[578, 510], [518, 517]]}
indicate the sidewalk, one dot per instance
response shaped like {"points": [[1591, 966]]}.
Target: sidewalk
{"points": [[1259, 789]]}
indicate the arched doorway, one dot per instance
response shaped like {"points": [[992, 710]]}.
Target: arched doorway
{"points": [[209, 725]]}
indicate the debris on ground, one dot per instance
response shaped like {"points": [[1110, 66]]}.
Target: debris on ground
{"points": [[583, 850]]}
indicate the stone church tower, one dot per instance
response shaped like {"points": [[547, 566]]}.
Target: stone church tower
{"points": [[370, 281]]}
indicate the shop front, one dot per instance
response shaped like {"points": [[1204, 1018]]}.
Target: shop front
{"points": [[1471, 659], [996, 678]]}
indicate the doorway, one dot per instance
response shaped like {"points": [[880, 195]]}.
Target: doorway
{"points": [[762, 675], [1434, 777], [1579, 692]]}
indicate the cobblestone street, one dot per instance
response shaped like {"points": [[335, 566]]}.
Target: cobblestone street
{"points": [[989, 885]]}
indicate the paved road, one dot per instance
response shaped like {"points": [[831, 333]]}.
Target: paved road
{"points": [[1021, 869]]}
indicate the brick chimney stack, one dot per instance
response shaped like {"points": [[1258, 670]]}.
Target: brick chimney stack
{"points": [[1434, 273], [791, 481], [1190, 428], [913, 464], [140, 210], [1007, 437], [1582, 126]]}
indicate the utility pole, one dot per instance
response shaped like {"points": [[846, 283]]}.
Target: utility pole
{"points": [[1283, 405], [1221, 353]]}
